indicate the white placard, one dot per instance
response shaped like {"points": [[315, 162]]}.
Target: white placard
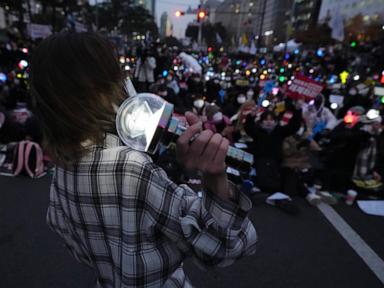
{"points": [[379, 91], [37, 31], [338, 99]]}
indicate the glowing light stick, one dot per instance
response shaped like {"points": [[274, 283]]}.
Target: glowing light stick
{"points": [[145, 121]]}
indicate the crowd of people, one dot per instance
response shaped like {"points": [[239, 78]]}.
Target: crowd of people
{"points": [[306, 146]]}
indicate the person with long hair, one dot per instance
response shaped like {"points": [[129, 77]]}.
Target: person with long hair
{"points": [[115, 209]]}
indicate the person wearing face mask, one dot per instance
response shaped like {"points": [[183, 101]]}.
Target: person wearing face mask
{"points": [[233, 104], [365, 174], [195, 84], [144, 71], [213, 88], [217, 122], [238, 121], [172, 83], [268, 137], [318, 117], [250, 94], [199, 106]]}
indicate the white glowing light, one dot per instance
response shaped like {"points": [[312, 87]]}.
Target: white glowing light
{"points": [[289, 66], [122, 59], [23, 64], [138, 119], [207, 78], [254, 70], [237, 71], [373, 114], [334, 106], [127, 68], [311, 71], [356, 78], [289, 82], [222, 74], [265, 103], [275, 90]]}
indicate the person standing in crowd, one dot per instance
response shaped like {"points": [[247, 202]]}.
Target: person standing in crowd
{"points": [[144, 72], [115, 209]]}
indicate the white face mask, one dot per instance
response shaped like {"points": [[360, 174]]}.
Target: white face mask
{"points": [[241, 99], [300, 132], [217, 117], [250, 94], [198, 103]]}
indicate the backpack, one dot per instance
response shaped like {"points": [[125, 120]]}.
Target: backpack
{"points": [[23, 156]]}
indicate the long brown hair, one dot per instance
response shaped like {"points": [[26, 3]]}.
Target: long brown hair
{"points": [[75, 80]]}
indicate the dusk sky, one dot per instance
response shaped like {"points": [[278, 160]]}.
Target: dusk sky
{"points": [[171, 6]]}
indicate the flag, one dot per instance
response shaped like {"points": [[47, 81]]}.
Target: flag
{"points": [[218, 39], [253, 49], [337, 25]]}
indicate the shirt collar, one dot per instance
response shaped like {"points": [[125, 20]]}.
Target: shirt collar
{"points": [[111, 141]]}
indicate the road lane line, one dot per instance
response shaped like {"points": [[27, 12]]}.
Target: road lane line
{"points": [[374, 262]]}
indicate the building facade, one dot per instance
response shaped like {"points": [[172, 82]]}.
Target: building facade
{"points": [[166, 27], [371, 10], [150, 5], [305, 14], [238, 17]]}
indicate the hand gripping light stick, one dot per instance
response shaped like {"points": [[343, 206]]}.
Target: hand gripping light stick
{"points": [[145, 121]]}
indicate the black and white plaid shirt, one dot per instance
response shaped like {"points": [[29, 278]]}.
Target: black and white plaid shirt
{"points": [[120, 214]]}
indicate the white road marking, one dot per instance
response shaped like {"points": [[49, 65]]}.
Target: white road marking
{"points": [[374, 262]]}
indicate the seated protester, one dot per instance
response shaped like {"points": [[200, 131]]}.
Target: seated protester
{"points": [[213, 88], [20, 124], [233, 104], [238, 121], [298, 168], [172, 83], [195, 84], [339, 155], [166, 93], [268, 137], [199, 106], [217, 122], [319, 119], [365, 174]]}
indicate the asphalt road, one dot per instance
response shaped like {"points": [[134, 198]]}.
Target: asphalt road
{"points": [[293, 251]]}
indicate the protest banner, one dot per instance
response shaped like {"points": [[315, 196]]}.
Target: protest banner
{"points": [[304, 87]]}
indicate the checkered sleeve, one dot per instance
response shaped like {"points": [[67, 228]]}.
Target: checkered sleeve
{"points": [[58, 222], [217, 232]]}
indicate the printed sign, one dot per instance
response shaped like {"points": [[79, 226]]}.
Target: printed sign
{"points": [[37, 31], [304, 87]]}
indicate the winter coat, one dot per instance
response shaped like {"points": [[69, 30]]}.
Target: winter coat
{"points": [[144, 72]]}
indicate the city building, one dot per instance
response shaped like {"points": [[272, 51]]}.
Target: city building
{"points": [[211, 6], [305, 14], [166, 27], [238, 17], [371, 10], [273, 19], [150, 5]]}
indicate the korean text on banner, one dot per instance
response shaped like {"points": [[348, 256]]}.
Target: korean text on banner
{"points": [[304, 87]]}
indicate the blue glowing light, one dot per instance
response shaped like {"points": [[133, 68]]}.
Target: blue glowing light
{"points": [[3, 77]]}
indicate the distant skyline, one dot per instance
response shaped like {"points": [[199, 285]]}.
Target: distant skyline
{"points": [[171, 6]]}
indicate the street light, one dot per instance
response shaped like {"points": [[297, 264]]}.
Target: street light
{"points": [[201, 15], [179, 13]]}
